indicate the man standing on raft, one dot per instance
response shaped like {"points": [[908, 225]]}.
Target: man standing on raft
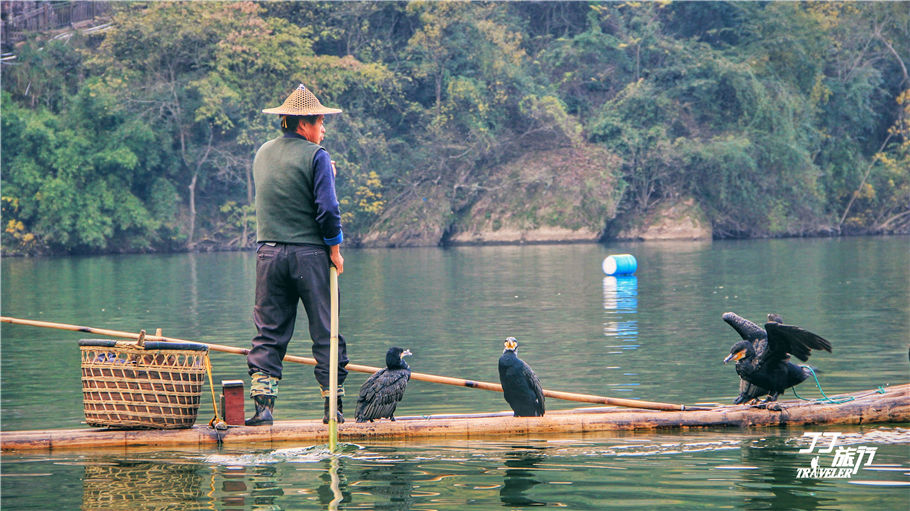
{"points": [[298, 231]]}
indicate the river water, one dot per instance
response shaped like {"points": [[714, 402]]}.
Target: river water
{"points": [[656, 336]]}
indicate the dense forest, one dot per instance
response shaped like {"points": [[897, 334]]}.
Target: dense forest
{"points": [[770, 119]]}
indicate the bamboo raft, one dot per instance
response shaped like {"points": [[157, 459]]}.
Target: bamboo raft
{"points": [[867, 407]]}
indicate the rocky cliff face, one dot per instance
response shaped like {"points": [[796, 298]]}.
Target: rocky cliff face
{"points": [[564, 195], [558, 196], [677, 220], [418, 218]]}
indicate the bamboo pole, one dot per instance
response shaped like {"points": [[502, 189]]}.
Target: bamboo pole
{"points": [[333, 360], [432, 378]]}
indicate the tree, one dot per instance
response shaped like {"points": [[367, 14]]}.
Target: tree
{"points": [[73, 182], [779, 119]]}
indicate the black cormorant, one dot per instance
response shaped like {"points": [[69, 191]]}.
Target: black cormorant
{"points": [[772, 369], [519, 383], [380, 394], [757, 335]]}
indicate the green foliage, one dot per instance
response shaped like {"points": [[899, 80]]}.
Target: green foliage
{"points": [[634, 126], [739, 126], [45, 74], [73, 181], [773, 116], [236, 225], [882, 197], [726, 176]]}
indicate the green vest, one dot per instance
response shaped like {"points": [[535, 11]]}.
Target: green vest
{"points": [[285, 202]]}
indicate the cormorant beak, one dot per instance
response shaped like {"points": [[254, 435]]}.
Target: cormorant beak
{"points": [[735, 356], [511, 344], [406, 353]]}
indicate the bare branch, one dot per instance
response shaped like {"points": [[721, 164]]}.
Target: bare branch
{"points": [[885, 225], [897, 56], [863, 182]]}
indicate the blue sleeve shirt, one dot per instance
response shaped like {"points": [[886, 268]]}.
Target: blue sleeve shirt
{"points": [[328, 214]]}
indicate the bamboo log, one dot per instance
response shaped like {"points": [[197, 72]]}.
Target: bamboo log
{"points": [[333, 360], [868, 407], [432, 378]]}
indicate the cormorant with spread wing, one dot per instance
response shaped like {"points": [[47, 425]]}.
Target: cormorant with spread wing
{"points": [[519, 383], [757, 335], [380, 394], [772, 369]]}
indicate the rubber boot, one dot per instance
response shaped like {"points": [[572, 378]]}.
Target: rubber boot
{"points": [[340, 416], [264, 407]]}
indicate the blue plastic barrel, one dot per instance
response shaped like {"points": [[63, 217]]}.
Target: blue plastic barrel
{"points": [[620, 264]]}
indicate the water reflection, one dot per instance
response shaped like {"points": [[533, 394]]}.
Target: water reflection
{"points": [[233, 488], [519, 478], [621, 306], [254, 487], [193, 289], [130, 485], [782, 489], [400, 296], [620, 296], [622, 471], [389, 481], [334, 488]]}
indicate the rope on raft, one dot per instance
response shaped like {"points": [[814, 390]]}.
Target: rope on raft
{"points": [[217, 421], [825, 398]]}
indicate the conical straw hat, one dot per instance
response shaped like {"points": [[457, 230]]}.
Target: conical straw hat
{"points": [[301, 102]]}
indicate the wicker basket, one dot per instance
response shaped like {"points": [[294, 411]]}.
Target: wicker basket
{"points": [[154, 385]]}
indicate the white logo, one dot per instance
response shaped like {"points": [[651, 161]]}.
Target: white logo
{"points": [[845, 464]]}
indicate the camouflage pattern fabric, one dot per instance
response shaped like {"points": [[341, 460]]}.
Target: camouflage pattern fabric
{"points": [[325, 392], [262, 384]]}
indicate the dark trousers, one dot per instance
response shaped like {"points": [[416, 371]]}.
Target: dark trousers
{"points": [[284, 275]]}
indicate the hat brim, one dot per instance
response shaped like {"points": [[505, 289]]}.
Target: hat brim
{"points": [[281, 110]]}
